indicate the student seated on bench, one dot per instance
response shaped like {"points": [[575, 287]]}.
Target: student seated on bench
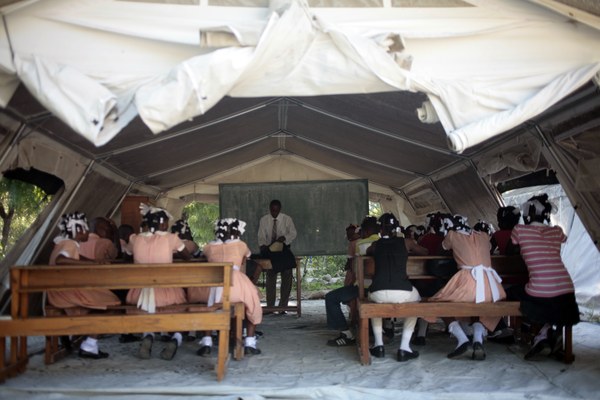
{"points": [[549, 297], [348, 293], [390, 282], [227, 247], [443, 270], [156, 246], [476, 281], [73, 231]]}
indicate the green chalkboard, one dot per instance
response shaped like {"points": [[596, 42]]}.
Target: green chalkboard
{"points": [[321, 210]]}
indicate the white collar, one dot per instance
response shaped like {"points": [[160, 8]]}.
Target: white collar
{"points": [[148, 233]]}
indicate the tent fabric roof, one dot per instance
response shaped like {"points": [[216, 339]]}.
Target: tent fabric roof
{"points": [[168, 70], [213, 91]]}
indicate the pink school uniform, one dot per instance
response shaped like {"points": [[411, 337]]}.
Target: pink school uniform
{"points": [[156, 248], [242, 288], [97, 248], [92, 298], [470, 250]]}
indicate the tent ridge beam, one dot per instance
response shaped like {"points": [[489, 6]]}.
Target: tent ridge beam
{"points": [[199, 160], [184, 131], [378, 131], [358, 157]]}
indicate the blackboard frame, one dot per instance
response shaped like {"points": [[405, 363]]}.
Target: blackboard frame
{"points": [[321, 210]]}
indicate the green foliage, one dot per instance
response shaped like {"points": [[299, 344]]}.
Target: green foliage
{"points": [[323, 272], [201, 218], [375, 209], [21, 203]]}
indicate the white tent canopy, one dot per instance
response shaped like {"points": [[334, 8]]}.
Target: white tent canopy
{"points": [[486, 66]]}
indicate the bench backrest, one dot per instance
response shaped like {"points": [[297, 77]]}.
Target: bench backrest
{"points": [[40, 278], [511, 268]]}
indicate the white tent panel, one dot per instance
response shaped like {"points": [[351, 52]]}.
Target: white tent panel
{"points": [[486, 68]]}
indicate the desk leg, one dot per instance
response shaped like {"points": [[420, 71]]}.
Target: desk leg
{"points": [[298, 289]]}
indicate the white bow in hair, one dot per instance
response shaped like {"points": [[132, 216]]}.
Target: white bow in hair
{"points": [[145, 209]]}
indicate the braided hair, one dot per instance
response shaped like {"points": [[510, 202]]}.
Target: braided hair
{"points": [[236, 228], [221, 230], [182, 229], [537, 209], [153, 217], [390, 225], [508, 217], [73, 223], [459, 224], [483, 226]]}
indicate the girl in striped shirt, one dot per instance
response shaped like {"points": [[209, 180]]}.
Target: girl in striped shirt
{"points": [[548, 298]]}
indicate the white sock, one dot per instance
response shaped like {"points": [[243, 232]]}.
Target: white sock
{"points": [[177, 336], [479, 332], [348, 334], [407, 331], [458, 333], [250, 341], [206, 341], [90, 345], [422, 326], [151, 334]]}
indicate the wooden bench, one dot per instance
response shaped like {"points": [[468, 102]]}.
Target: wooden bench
{"points": [[265, 264], [54, 350], [33, 279], [510, 268]]}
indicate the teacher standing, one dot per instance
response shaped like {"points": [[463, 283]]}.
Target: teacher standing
{"points": [[276, 231]]}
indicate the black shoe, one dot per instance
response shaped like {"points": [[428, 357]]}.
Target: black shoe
{"points": [[340, 341], [259, 334], [542, 348], [145, 349], [94, 356], [204, 351], [250, 351], [404, 355], [377, 351], [503, 336], [418, 341], [478, 352], [460, 350], [170, 350]]}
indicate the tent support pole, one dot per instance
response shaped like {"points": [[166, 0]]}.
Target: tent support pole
{"points": [[14, 138]]}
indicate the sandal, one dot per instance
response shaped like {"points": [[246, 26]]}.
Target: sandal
{"points": [[146, 347], [169, 351]]}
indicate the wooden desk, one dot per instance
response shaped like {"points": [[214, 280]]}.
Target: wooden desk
{"points": [[265, 264]]}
